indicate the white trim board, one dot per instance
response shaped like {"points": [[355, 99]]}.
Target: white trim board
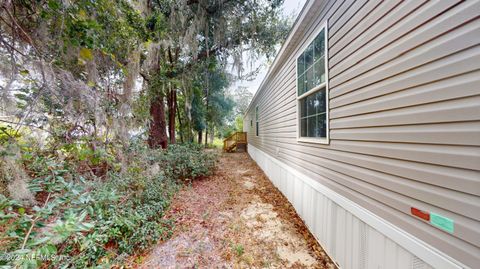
{"points": [[422, 250]]}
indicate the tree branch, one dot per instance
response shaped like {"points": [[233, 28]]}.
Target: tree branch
{"points": [[27, 36], [10, 46]]}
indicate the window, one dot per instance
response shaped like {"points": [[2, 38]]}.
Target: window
{"points": [[312, 92], [256, 121]]}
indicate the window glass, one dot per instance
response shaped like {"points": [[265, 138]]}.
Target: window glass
{"points": [[311, 78], [303, 129], [311, 105], [313, 112], [322, 125], [311, 126], [309, 56], [319, 72], [303, 108], [311, 65], [256, 121], [319, 44], [320, 104], [300, 65], [301, 84]]}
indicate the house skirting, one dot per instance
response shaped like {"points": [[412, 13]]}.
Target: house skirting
{"points": [[351, 235]]}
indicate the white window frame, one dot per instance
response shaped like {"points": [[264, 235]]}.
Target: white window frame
{"points": [[257, 121], [317, 140]]}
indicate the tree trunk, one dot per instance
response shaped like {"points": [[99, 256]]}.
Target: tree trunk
{"points": [[212, 134], [208, 85], [206, 135], [172, 107], [182, 140], [200, 137], [158, 134]]}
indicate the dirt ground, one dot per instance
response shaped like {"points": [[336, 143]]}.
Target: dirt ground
{"points": [[236, 219]]}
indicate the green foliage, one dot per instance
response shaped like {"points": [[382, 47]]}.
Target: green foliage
{"points": [[71, 70], [83, 223], [8, 134], [239, 123], [112, 27], [82, 151], [187, 162], [239, 249], [217, 143]]}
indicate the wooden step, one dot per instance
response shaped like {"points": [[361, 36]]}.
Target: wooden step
{"points": [[232, 143]]}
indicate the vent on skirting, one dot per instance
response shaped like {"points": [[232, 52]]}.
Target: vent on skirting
{"points": [[417, 263]]}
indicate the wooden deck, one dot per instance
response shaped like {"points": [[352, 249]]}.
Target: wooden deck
{"points": [[236, 142]]}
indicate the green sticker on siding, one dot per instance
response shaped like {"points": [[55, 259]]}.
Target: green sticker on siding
{"points": [[442, 222]]}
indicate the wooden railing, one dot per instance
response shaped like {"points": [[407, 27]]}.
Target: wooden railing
{"points": [[233, 141]]}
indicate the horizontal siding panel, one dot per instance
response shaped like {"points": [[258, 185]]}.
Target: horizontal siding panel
{"points": [[459, 249], [282, 88], [279, 87], [271, 111], [347, 26], [267, 115], [287, 113], [446, 155], [338, 13], [271, 114], [443, 241], [337, 8], [404, 36], [443, 46], [453, 65], [404, 120], [344, 14], [289, 128], [281, 122], [465, 133], [389, 196], [274, 137], [369, 27], [465, 109], [432, 92], [456, 179], [451, 156], [441, 198]]}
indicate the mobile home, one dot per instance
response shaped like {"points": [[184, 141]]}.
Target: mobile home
{"points": [[368, 121]]}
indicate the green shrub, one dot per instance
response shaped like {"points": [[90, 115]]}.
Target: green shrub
{"points": [[93, 222], [187, 162]]}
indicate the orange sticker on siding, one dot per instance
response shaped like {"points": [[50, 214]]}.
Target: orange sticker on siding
{"points": [[420, 213]]}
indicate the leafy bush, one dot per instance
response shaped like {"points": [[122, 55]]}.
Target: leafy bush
{"points": [[187, 162], [82, 221], [7, 133]]}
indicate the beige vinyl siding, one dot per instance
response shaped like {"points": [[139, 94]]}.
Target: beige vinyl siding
{"points": [[404, 84]]}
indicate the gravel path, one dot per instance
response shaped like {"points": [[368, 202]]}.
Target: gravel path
{"points": [[235, 219]]}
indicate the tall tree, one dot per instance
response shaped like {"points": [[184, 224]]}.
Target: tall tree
{"points": [[242, 97], [79, 63], [199, 30], [74, 66]]}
